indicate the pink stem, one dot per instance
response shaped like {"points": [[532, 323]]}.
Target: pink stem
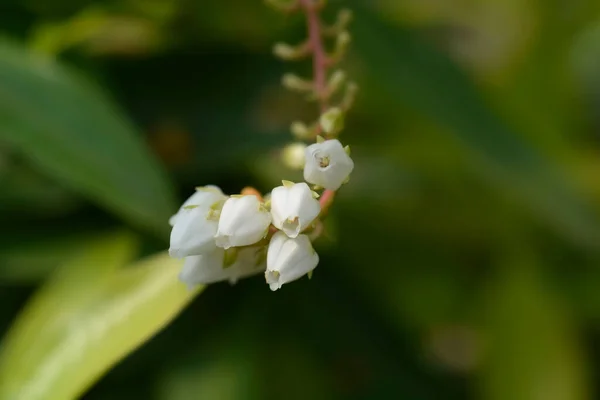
{"points": [[316, 45]]}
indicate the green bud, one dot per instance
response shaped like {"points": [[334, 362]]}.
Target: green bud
{"points": [[332, 121], [336, 81], [294, 82], [293, 155], [299, 130], [347, 149], [287, 184], [343, 19], [320, 139], [290, 53], [341, 45]]}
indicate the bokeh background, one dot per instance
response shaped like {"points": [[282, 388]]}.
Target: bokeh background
{"points": [[460, 262]]}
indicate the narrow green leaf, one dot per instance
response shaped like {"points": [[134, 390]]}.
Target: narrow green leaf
{"points": [[32, 259], [83, 323], [72, 131], [408, 71]]}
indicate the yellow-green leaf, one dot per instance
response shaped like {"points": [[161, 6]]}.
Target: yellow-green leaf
{"points": [[82, 323]]}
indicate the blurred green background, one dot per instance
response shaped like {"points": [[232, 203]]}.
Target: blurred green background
{"points": [[460, 262]]}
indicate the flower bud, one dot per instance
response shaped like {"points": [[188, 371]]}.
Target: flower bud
{"points": [[293, 208], [288, 259], [327, 164], [205, 194], [332, 121], [293, 155], [213, 267], [244, 221]]}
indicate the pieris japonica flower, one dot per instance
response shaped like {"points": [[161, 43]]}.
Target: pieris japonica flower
{"points": [[223, 265], [199, 197], [244, 221], [288, 259], [327, 164], [196, 224], [293, 207]]}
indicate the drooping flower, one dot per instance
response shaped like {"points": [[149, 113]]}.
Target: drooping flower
{"points": [[196, 224], [327, 164], [200, 196], [223, 265], [293, 207], [289, 259], [244, 221]]}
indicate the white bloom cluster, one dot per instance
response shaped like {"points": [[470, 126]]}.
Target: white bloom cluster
{"points": [[226, 238]]}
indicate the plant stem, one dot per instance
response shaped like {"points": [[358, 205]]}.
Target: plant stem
{"points": [[319, 55]]}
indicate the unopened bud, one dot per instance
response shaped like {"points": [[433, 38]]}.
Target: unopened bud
{"points": [[290, 53], [341, 45], [293, 155], [336, 81], [303, 132], [294, 82], [332, 121], [343, 19]]}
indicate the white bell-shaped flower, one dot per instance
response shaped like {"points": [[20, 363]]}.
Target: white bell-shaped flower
{"points": [[327, 164], [293, 207], [204, 269], [221, 265], [288, 259], [202, 195], [196, 225], [244, 221]]}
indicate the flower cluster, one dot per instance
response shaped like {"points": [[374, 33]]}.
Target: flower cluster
{"points": [[226, 238], [231, 237]]}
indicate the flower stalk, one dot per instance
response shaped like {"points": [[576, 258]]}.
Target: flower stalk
{"points": [[226, 238]]}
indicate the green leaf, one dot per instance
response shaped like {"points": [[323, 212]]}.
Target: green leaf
{"points": [[91, 315], [71, 130], [408, 72], [531, 348], [31, 260]]}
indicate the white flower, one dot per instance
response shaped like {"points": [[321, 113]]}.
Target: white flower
{"points": [[204, 269], [199, 197], [293, 207], [244, 221], [288, 259], [214, 266], [196, 225], [327, 164]]}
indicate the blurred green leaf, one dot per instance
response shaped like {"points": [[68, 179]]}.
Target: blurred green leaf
{"points": [[32, 260], [88, 317], [71, 130], [532, 351], [408, 71]]}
